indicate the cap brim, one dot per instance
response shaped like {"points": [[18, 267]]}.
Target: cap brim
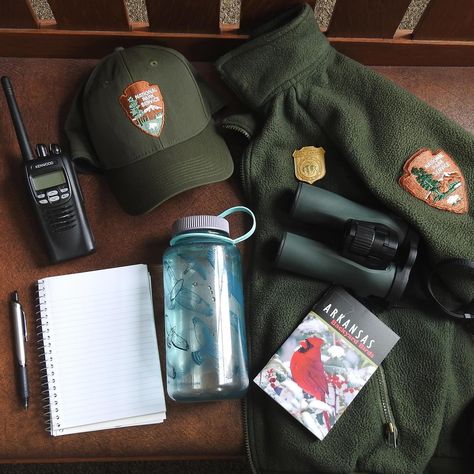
{"points": [[145, 184]]}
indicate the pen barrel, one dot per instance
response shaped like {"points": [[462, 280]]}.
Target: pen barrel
{"points": [[19, 333], [23, 384]]}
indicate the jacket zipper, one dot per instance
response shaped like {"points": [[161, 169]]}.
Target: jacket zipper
{"points": [[248, 452], [236, 128], [390, 428], [244, 404]]}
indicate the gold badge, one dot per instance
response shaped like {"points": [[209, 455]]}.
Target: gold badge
{"points": [[309, 164]]}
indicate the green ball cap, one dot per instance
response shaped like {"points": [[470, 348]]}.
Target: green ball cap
{"points": [[144, 118]]}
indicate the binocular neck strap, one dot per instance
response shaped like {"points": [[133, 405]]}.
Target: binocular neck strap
{"points": [[467, 312]]}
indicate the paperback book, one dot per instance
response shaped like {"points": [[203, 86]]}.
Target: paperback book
{"points": [[329, 357]]}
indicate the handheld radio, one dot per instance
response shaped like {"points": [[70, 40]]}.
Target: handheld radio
{"points": [[55, 192]]}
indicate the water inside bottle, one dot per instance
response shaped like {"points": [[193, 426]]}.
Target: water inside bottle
{"points": [[206, 351]]}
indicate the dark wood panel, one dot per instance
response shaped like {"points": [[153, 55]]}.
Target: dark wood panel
{"points": [[399, 51], [254, 12], [194, 16], [17, 14], [406, 52], [367, 18], [447, 19], [56, 43], [90, 14]]}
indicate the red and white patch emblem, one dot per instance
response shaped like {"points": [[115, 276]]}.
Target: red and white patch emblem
{"points": [[435, 178], [144, 106]]}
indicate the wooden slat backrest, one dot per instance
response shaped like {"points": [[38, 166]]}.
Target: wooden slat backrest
{"points": [[187, 16], [254, 12], [90, 14], [367, 18], [17, 14], [365, 30], [447, 19]]}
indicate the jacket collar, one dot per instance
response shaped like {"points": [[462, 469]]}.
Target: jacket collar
{"points": [[275, 57]]}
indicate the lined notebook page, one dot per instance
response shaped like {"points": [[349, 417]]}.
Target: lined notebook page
{"points": [[101, 350]]}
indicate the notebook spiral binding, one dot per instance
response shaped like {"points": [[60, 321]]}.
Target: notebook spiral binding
{"points": [[49, 399]]}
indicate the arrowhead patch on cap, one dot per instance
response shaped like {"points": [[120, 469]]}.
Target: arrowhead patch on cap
{"points": [[435, 178], [144, 106]]}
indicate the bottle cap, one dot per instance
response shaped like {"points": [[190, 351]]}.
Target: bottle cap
{"points": [[192, 223]]}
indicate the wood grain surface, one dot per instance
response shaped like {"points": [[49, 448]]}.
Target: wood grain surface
{"points": [[255, 12], [190, 430], [184, 15], [367, 18], [90, 14], [17, 14], [398, 51], [447, 19]]}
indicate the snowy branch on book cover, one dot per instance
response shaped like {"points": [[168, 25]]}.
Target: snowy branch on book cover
{"points": [[325, 362]]}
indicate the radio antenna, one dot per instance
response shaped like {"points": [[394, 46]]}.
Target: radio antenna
{"points": [[20, 130]]}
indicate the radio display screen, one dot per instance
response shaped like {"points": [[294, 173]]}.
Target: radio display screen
{"points": [[48, 180]]}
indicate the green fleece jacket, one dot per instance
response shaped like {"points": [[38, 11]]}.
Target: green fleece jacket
{"points": [[303, 93]]}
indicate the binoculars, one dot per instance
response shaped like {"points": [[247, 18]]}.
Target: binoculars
{"points": [[377, 253]]}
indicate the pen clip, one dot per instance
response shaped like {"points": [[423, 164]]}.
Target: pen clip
{"points": [[25, 329]]}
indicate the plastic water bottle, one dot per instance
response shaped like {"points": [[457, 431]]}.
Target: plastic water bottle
{"points": [[206, 345]]}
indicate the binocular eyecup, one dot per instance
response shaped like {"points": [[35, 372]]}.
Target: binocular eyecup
{"points": [[377, 254]]}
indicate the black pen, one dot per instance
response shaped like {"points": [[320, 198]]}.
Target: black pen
{"points": [[21, 335]]}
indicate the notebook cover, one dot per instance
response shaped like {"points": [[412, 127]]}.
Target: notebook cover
{"points": [[326, 361]]}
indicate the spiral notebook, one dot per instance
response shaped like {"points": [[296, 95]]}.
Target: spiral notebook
{"points": [[99, 351]]}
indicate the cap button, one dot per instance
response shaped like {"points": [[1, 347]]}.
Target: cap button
{"points": [[119, 48]]}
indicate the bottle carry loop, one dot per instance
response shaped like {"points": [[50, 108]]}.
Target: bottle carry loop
{"points": [[222, 238], [235, 209]]}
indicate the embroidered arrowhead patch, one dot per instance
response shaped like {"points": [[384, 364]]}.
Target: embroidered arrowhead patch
{"points": [[144, 106], [435, 178]]}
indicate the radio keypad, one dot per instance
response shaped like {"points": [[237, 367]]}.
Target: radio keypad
{"points": [[64, 193], [53, 195]]}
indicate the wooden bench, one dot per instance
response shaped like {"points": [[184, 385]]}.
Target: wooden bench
{"points": [[47, 60]]}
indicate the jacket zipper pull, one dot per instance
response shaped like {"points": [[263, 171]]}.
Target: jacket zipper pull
{"points": [[392, 434], [245, 124], [389, 427]]}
